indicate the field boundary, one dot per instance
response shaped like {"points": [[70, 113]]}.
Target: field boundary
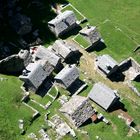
{"points": [[63, 8]]}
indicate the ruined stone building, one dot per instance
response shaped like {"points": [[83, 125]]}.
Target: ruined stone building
{"points": [[91, 34], [106, 64], [67, 76], [62, 23], [35, 73], [64, 49], [78, 110], [130, 68], [103, 96], [61, 127]]}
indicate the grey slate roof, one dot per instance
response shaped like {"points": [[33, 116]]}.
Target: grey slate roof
{"points": [[62, 22], [63, 49], [35, 73], [102, 95], [44, 53], [72, 105], [68, 75], [106, 63], [91, 33], [78, 109]]}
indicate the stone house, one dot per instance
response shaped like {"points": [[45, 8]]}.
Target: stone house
{"points": [[78, 110], [35, 73], [67, 76], [103, 96], [42, 53], [64, 49], [106, 64], [91, 34], [62, 23]]}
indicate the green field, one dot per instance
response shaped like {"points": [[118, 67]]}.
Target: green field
{"points": [[78, 15], [11, 109], [82, 41], [118, 23]]}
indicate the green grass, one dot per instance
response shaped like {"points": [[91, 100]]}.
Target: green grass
{"points": [[122, 14], [116, 42], [11, 108], [35, 106], [53, 91], [137, 85], [82, 41]]}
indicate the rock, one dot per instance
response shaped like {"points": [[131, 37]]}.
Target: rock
{"points": [[21, 24], [15, 63]]}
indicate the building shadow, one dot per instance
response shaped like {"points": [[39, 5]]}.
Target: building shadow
{"points": [[97, 47], [75, 59], [75, 86], [117, 76], [87, 122], [71, 32], [45, 87], [118, 105]]}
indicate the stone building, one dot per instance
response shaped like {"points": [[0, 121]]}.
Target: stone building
{"points": [[91, 34], [62, 23], [106, 64], [42, 53], [103, 96], [78, 110], [130, 68], [67, 76], [64, 49], [36, 73], [61, 127]]}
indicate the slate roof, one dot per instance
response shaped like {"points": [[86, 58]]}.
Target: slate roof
{"points": [[72, 105], [44, 53], [106, 63], [63, 21], [91, 33], [68, 75], [102, 95], [35, 73], [63, 49]]}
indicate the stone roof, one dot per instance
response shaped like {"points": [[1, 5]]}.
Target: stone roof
{"points": [[63, 49], [91, 33], [63, 21], [106, 63], [44, 53], [36, 73], [72, 105], [68, 75], [78, 109], [102, 95]]}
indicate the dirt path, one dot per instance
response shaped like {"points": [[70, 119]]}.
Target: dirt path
{"points": [[87, 65]]}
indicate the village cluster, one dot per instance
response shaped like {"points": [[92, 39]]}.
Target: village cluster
{"points": [[57, 66]]}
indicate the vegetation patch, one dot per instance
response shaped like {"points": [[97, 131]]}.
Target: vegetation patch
{"points": [[82, 41]]}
